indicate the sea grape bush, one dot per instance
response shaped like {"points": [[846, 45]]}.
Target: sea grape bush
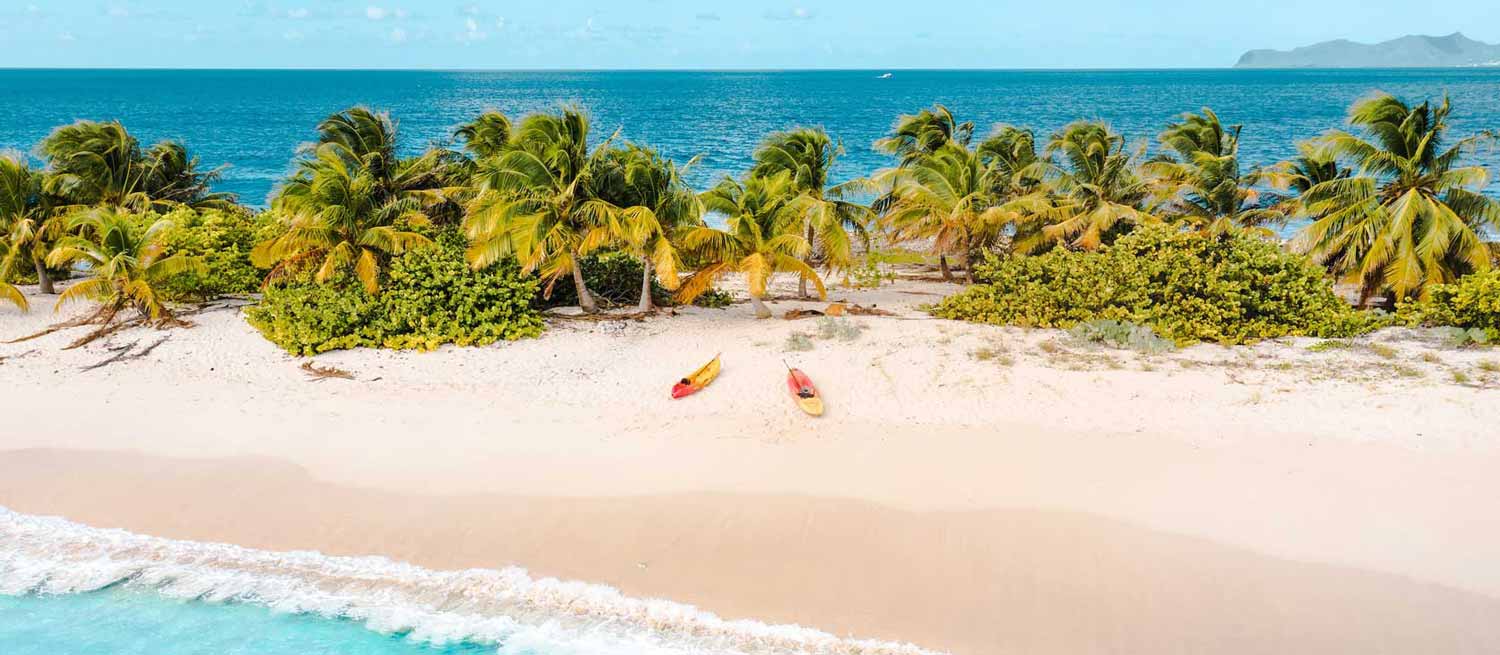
{"points": [[430, 296], [1471, 303], [222, 240], [1186, 286]]}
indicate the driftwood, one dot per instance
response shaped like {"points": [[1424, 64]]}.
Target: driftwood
{"points": [[837, 309], [320, 373], [105, 317]]}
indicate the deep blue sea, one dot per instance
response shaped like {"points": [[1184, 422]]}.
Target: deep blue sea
{"points": [[253, 121]]}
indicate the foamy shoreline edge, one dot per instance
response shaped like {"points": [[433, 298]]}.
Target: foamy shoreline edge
{"points": [[505, 607]]}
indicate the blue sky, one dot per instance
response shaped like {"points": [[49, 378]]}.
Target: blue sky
{"points": [[553, 34]]}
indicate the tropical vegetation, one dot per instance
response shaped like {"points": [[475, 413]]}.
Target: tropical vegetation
{"points": [[370, 242]]}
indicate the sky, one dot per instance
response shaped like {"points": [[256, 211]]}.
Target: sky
{"points": [[701, 34]]}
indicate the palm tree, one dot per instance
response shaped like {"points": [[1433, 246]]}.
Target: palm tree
{"points": [[1410, 215], [651, 206], [1294, 177], [1199, 178], [533, 201], [125, 264], [1092, 195], [953, 198], [29, 226], [808, 156], [762, 237], [487, 136], [923, 133], [101, 164], [339, 216]]}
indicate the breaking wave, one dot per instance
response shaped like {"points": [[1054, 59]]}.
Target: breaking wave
{"points": [[506, 608]]}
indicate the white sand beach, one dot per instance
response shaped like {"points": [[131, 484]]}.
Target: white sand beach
{"points": [[972, 489]]}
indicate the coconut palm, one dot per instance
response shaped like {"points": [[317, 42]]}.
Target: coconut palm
{"points": [[125, 264], [29, 224], [650, 206], [8, 292], [1199, 179], [534, 201], [1012, 151], [101, 164], [1094, 193], [762, 237], [808, 156], [923, 133], [1294, 177], [340, 217], [952, 197], [487, 136], [1411, 214]]}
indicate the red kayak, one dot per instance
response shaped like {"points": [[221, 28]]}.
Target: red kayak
{"points": [[804, 392]]}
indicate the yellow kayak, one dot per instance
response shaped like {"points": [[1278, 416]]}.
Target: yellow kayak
{"points": [[698, 380]]}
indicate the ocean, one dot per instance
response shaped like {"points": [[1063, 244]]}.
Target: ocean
{"points": [[253, 121]]}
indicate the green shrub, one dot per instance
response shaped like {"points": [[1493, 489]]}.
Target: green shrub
{"points": [[1121, 334], [1189, 287], [222, 241], [714, 299], [842, 329], [613, 277], [1471, 303], [429, 297], [797, 342]]}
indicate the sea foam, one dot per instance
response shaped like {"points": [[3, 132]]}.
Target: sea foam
{"points": [[507, 608]]}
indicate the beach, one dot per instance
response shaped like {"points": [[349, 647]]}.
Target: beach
{"points": [[972, 489]]}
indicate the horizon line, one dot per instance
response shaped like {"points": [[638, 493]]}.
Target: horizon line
{"points": [[333, 69]]}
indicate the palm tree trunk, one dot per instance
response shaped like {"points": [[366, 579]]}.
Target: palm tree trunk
{"points": [[585, 299], [646, 303], [43, 278], [943, 266], [802, 282], [761, 310], [968, 269]]}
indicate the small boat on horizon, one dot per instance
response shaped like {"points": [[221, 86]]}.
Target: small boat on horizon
{"points": [[884, 77]]}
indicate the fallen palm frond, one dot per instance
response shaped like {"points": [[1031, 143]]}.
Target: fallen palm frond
{"points": [[872, 310], [320, 373], [794, 314]]}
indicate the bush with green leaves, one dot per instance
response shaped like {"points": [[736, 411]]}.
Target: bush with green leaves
{"points": [[222, 240], [1186, 286], [1122, 334], [1471, 303], [613, 277], [714, 299], [428, 297]]}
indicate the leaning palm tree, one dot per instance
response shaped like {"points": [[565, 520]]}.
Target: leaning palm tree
{"points": [[1095, 193], [1199, 179], [125, 264], [1411, 215], [486, 136], [1294, 177], [30, 224], [923, 133], [808, 156], [339, 217], [762, 237], [648, 208], [952, 198], [534, 201]]}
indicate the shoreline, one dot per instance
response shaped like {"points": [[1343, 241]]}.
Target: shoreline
{"points": [[1045, 497], [1049, 581]]}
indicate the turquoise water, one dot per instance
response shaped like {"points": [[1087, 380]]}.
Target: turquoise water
{"points": [[118, 622], [254, 120]]}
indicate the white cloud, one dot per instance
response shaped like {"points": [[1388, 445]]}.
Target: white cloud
{"points": [[375, 13], [500, 23], [472, 32]]}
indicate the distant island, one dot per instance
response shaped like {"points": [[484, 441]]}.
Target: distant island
{"points": [[1412, 51]]}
